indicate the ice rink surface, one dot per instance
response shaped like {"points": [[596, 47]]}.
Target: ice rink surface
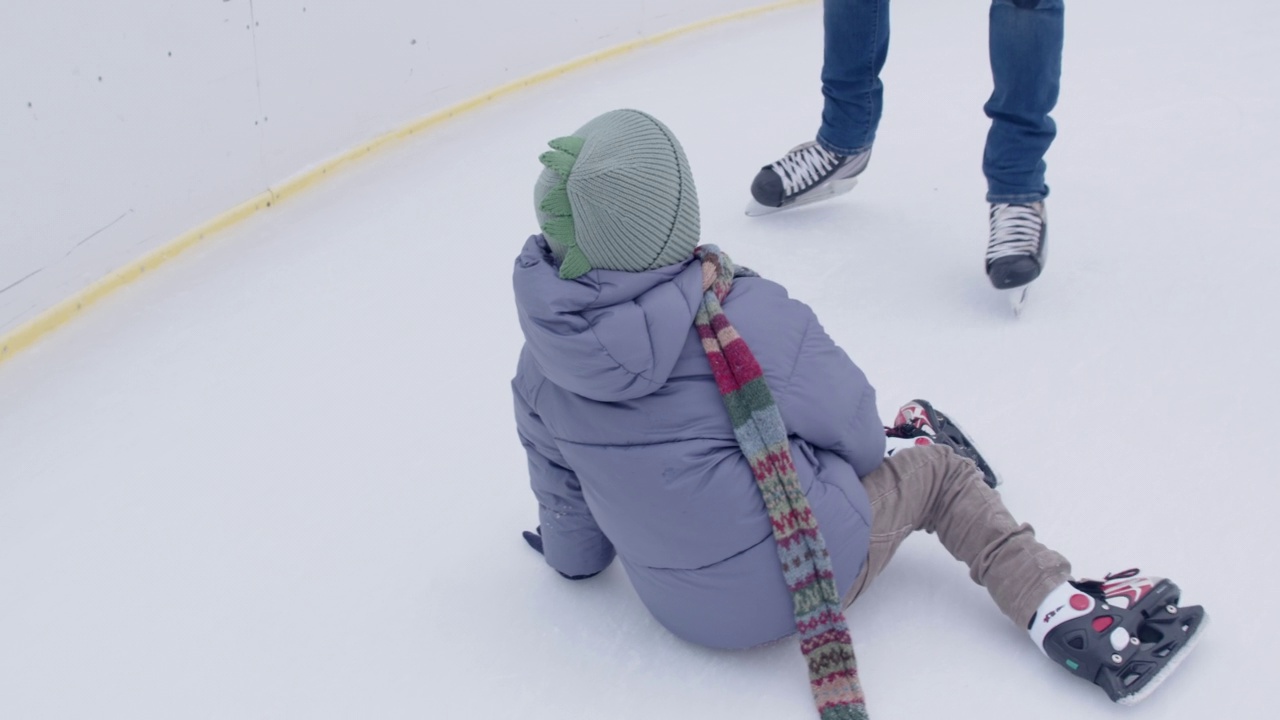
{"points": [[280, 477]]}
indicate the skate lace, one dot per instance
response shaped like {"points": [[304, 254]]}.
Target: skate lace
{"points": [[804, 166], [1015, 230], [905, 430]]}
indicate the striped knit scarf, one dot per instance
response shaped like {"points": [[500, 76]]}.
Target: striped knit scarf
{"points": [[758, 427]]}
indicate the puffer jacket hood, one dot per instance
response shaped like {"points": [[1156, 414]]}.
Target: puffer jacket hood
{"points": [[607, 335]]}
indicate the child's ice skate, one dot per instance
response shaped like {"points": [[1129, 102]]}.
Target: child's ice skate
{"points": [[919, 421], [806, 174], [1126, 634]]}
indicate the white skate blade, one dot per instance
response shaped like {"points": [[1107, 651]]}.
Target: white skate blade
{"points": [[1017, 299], [826, 192], [1168, 669]]}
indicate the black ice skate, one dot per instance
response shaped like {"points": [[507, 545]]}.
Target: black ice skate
{"points": [[1126, 634], [1016, 247], [807, 174], [919, 420]]}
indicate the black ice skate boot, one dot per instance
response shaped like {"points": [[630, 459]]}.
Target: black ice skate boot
{"points": [[921, 423], [807, 174], [1126, 634], [1016, 246]]}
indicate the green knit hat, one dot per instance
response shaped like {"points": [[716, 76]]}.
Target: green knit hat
{"points": [[617, 195]]}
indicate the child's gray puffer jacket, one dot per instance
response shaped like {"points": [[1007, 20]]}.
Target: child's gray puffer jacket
{"points": [[631, 449]]}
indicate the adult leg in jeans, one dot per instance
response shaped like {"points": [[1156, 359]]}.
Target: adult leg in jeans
{"points": [[1026, 63], [856, 37], [932, 489]]}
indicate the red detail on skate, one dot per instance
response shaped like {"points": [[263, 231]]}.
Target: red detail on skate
{"points": [[1134, 590], [923, 441], [1080, 602], [912, 414], [1100, 624]]}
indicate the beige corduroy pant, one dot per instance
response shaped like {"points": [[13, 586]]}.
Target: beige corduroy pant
{"points": [[931, 488]]}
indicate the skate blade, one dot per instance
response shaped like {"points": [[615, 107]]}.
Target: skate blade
{"points": [[995, 476], [1017, 299], [1167, 670], [826, 192]]}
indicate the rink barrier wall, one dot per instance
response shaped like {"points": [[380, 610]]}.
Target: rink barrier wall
{"points": [[30, 332]]}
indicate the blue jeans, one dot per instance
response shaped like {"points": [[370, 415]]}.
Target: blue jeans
{"points": [[1025, 38]]}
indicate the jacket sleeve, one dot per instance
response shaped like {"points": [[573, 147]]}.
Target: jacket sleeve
{"points": [[829, 403], [572, 542]]}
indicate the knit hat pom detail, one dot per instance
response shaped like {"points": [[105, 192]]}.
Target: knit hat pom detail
{"points": [[558, 227]]}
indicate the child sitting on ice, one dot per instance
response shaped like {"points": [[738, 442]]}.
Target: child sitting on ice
{"points": [[686, 415]]}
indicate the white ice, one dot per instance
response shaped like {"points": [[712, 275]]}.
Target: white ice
{"points": [[280, 478]]}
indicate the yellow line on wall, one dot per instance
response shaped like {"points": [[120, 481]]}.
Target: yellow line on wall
{"points": [[46, 322]]}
